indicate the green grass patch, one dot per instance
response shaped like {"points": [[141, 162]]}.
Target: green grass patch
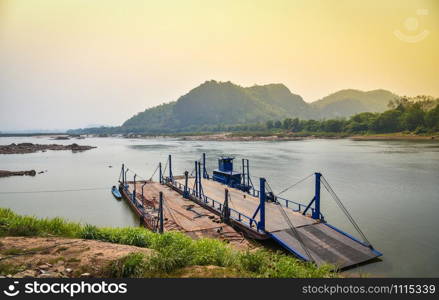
{"points": [[10, 269], [173, 250]]}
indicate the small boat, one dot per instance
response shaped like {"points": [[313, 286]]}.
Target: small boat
{"points": [[115, 192]]}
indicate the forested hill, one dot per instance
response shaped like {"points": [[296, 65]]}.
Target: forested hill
{"points": [[217, 104], [349, 102], [224, 103]]}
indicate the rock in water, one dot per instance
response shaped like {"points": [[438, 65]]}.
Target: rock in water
{"points": [[5, 173], [23, 148]]}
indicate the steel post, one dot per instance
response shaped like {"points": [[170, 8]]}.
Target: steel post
{"points": [[170, 168], [186, 193], [316, 212], [161, 213], [261, 224]]}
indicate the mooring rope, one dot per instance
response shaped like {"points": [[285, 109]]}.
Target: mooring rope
{"points": [[343, 208], [296, 233], [150, 179], [166, 166], [288, 220], [293, 185], [137, 175]]}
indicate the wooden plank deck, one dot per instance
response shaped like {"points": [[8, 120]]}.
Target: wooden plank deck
{"points": [[184, 215]]}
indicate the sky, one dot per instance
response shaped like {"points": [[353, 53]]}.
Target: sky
{"points": [[74, 63]]}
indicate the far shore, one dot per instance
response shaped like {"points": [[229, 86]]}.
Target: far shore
{"points": [[250, 136], [292, 137]]}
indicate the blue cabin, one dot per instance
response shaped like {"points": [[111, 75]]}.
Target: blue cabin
{"points": [[225, 173]]}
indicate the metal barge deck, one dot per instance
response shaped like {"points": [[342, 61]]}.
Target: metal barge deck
{"points": [[231, 198], [326, 244], [179, 214]]}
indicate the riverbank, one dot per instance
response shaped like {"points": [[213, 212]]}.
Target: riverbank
{"points": [[30, 247], [239, 136], [395, 136], [303, 136]]}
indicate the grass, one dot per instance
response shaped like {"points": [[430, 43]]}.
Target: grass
{"points": [[174, 251], [7, 268]]}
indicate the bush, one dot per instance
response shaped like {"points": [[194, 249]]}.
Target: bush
{"points": [[132, 265], [254, 262]]}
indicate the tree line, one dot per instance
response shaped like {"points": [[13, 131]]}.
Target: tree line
{"points": [[419, 115], [416, 114]]}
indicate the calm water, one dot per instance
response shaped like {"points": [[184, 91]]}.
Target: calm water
{"points": [[390, 187]]}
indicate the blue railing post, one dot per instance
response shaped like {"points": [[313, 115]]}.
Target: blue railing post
{"points": [[261, 224], [161, 213], [199, 180], [205, 175], [160, 173], [196, 179], [243, 173], [248, 172], [316, 212], [134, 191], [123, 174], [170, 168], [186, 193]]}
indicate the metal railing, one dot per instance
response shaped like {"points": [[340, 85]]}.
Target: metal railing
{"points": [[151, 221], [218, 206], [249, 222]]}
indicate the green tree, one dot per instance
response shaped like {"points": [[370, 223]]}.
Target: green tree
{"points": [[296, 125], [333, 125], [432, 119], [412, 117], [269, 124], [287, 123], [388, 121]]}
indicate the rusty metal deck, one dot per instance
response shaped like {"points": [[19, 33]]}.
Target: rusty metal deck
{"points": [[181, 214]]}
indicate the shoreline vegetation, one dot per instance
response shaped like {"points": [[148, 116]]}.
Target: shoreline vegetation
{"points": [[267, 136], [406, 118], [150, 254]]}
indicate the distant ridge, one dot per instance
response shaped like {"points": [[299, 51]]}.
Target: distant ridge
{"points": [[219, 104], [348, 102]]}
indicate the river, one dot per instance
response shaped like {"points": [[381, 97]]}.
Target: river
{"points": [[391, 188]]}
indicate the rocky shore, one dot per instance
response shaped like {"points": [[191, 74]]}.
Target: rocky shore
{"points": [[230, 137], [291, 137], [54, 257], [23, 148], [4, 173]]}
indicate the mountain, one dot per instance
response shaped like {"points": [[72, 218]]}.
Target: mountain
{"points": [[225, 103], [215, 104], [348, 102]]}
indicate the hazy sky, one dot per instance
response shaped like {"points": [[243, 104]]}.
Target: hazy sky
{"points": [[71, 63]]}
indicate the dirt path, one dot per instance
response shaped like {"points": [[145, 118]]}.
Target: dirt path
{"points": [[54, 257]]}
